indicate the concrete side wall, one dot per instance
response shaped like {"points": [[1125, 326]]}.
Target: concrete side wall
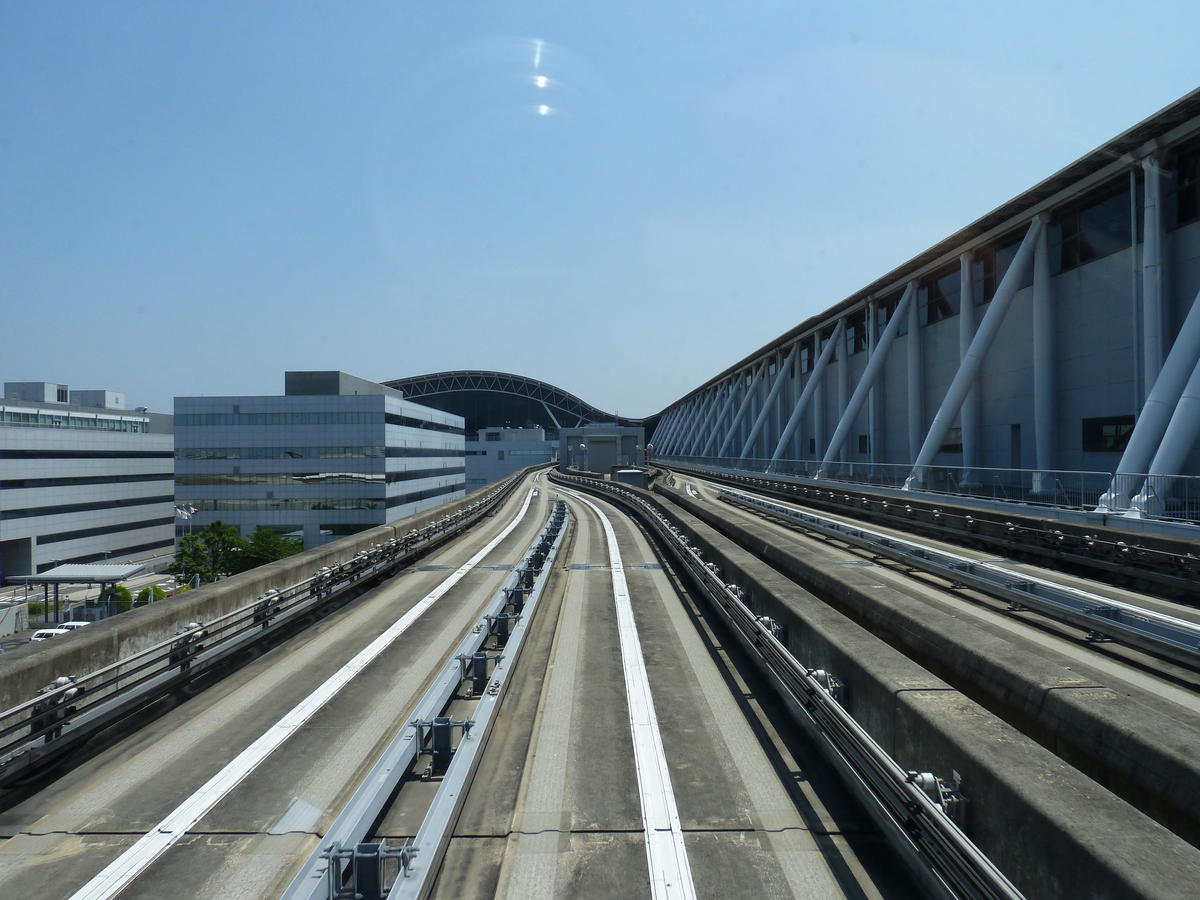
{"points": [[1145, 755], [23, 672]]}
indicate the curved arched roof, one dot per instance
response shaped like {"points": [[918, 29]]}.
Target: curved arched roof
{"points": [[453, 391]]}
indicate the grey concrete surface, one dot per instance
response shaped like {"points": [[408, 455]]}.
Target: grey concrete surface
{"points": [[1124, 739], [27, 669], [1080, 827], [251, 842]]}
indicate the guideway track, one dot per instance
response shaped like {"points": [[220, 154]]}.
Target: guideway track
{"points": [[560, 809], [1155, 563], [344, 861], [939, 854], [1102, 708], [40, 730], [1105, 619], [246, 840]]}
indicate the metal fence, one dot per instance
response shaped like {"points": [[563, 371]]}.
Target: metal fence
{"points": [[1152, 496]]}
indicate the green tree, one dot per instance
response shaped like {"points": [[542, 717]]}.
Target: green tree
{"points": [[150, 594], [266, 546], [211, 552], [119, 596]]}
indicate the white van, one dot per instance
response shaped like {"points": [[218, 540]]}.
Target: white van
{"points": [[72, 626], [45, 634]]}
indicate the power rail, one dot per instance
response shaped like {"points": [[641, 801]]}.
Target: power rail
{"points": [[913, 809], [73, 708]]}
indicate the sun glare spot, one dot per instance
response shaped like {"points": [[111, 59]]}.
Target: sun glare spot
{"points": [[541, 81], [543, 110]]}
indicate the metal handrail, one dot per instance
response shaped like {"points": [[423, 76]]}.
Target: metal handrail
{"points": [[98, 697]]}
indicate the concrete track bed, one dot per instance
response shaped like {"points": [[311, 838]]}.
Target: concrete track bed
{"points": [[1147, 756], [1050, 828]]}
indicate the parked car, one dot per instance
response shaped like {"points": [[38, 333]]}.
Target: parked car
{"points": [[44, 634], [73, 626]]}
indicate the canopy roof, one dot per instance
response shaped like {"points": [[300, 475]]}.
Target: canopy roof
{"points": [[74, 573]]}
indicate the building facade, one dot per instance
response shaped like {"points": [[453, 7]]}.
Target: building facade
{"points": [[1054, 335], [333, 456], [498, 452], [81, 482], [601, 448]]}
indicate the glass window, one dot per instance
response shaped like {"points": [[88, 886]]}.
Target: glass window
{"points": [[856, 331], [953, 442], [885, 309], [1107, 435], [1089, 230], [939, 297]]}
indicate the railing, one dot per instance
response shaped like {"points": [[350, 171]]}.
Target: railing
{"points": [[75, 706], [1175, 498]]}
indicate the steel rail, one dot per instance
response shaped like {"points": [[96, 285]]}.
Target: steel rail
{"points": [[1102, 617], [939, 853], [44, 727], [326, 870]]}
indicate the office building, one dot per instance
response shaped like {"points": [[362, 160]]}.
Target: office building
{"points": [[498, 452], [333, 456], [81, 481]]}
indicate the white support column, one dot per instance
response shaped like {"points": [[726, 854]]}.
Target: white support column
{"points": [[916, 380], [687, 422], [694, 441], [843, 390], [1173, 451], [969, 417], [818, 415], [769, 403], [1153, 317], [747, 397], [874, 397], [870, 375], [970, 366], [1156, 414], [814, 379], [711, 443], [672, 424], [1043, 366]]}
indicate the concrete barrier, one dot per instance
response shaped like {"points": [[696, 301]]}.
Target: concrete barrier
{"points": [[1122, 739], [24, 671], [1051, 829]]}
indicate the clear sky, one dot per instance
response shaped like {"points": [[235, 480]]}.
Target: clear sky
{"points": [[621, 198]]}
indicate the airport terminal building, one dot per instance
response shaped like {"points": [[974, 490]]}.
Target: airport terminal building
{"points": [[1040, 350], [333, 456]]}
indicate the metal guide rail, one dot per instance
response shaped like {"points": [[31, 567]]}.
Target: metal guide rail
{"points": [[1104, 619], [916, 811], [1070, 542], [73, 708], [346, 864]]}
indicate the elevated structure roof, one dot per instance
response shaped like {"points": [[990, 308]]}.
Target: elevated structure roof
{"points": [[77, 573], [497, 399]]}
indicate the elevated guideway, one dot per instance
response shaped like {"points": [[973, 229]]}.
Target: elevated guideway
{"points": [[633, 753]]}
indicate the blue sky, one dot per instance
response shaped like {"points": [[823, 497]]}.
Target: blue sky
{"points": [[620, 198]]}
